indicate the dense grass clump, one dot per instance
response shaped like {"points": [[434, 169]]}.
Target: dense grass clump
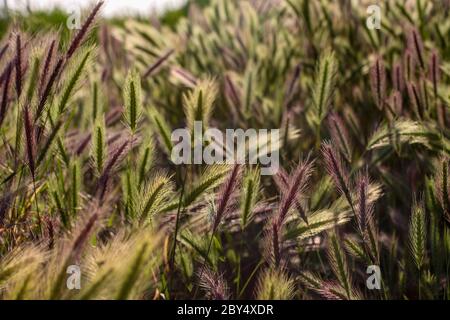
{"points": [[86, 176]]}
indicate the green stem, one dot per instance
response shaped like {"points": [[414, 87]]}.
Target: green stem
{"points": [[177, 222]]}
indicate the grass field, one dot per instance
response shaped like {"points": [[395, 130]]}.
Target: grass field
{"points": [[359, 208]]}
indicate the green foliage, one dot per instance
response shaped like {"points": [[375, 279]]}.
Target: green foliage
{"points": [[198, 103], [417, 235], [250, 194], [98, 145], [74, 74], [275, 285], [324, 85], [133, 100], [95, 128]]}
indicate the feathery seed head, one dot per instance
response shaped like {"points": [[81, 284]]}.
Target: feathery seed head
{"points": [[133, 100], [378, 82]]}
